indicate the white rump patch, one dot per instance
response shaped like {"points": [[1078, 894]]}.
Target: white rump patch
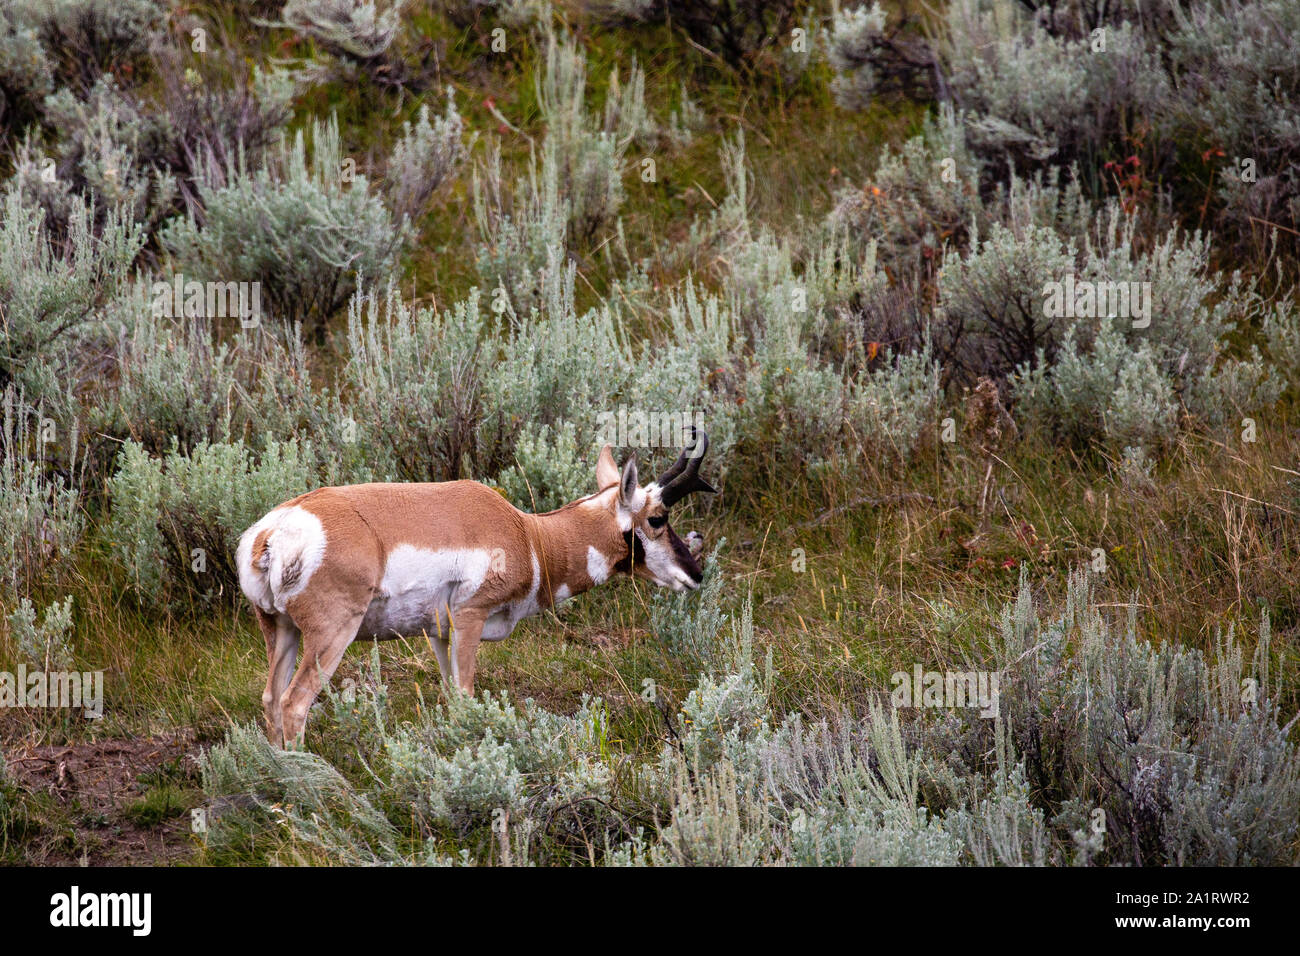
{"points": [[295, 547], [597, 566]]}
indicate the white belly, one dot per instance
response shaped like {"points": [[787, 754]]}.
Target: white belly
{"points": [[421, 591]]}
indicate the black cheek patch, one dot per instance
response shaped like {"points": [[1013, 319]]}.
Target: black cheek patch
{"points": [[635, 553]]}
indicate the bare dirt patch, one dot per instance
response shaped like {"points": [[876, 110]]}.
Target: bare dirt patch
{"points": [[94, 787]]}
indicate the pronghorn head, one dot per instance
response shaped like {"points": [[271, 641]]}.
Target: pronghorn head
{"points": [[654, 551]]}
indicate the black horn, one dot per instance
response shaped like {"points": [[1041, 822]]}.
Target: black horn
{"points": [[683, 477]]}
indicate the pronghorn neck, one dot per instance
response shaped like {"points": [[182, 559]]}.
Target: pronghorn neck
{"points": [[579, 545]]}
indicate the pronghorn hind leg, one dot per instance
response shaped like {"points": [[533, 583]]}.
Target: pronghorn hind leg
{"points": [[323, 648], [281, 636]]}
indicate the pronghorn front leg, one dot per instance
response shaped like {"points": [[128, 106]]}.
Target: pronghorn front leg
{"points": [[465, 638], [323, 647], [442, 651]]}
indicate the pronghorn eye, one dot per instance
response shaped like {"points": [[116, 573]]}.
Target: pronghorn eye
{"points": [[657, 521]]}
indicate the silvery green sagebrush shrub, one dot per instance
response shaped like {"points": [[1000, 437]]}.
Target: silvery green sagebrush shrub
{"points": [[359, 711], [547, 470], [208, 115], [795, 795], [311, 232], [472, 766], [146, 150], [804, 367], [427, 155], [999, 825], [1114, 393], [87, 38], [690, 369], [48, 645], [1281, 334], [180, 382], [25, 70], [871, 59], [1229, 797], [856, 34], [922, 196], [174, 520], [713, 236], [892, 410], [726, 715], [522, 232], [413, 392], [773, 298], [990, 317], [40, 509], [588, 150], [1159, 87], [685, 121], [804, 408], [690, 625], [110, 150], [295, 795], [476, 756], [1123, 377], [714, 822], [50, 289], [1182, 765], [472, 782], [557, 365], [1238, 70], [857, 838], [1036, 96], [358, 30]]}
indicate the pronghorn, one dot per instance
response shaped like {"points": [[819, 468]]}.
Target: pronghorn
{"points": [[453, 561]]}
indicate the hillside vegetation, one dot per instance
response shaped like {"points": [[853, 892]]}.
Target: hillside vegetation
{"points": [[988, 309]]}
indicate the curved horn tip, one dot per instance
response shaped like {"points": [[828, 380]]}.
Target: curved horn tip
{"points": [[699, 443]]}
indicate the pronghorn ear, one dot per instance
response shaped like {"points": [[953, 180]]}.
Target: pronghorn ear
{"points": [[628, 485], [606, 469]]}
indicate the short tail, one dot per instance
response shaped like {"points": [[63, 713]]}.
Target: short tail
{"points": [[277, 556]]}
